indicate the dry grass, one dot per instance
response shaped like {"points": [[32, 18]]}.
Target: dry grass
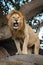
{"points": [[11, 63]]}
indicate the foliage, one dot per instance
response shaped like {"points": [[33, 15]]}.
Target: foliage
{"points": [[8, 5]]}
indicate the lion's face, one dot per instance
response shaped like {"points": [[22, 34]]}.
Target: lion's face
{"points": [[16, 21]]}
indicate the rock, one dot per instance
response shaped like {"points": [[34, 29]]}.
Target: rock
{"points": [[3, 53], [24, 60], [5, 33]]}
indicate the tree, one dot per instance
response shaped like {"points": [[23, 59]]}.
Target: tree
{"points": [[8, 5]]}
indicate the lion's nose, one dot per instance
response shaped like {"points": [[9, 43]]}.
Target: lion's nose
{"points": [[16, 20], [15, 23]]}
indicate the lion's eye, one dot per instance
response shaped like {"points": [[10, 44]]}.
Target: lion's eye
{"points": [[13, 17], [18, 17]]}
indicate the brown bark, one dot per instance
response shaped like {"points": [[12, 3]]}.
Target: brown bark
{"points": [[3, 53], [31, 9], [3, 20], [4, 29], [5, 33]]}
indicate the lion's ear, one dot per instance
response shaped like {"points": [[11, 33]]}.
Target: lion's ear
{"points": [[9, 14]]}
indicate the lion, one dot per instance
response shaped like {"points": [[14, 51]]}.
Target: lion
{"points": [[22, 33]]}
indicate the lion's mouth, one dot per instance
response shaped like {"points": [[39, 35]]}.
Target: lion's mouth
{"points": [[15, 25]]}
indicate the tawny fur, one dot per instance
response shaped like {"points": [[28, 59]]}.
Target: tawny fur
{"points": [[23, 33]]}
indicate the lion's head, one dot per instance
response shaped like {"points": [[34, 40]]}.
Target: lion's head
{"points": [[15, 20]]}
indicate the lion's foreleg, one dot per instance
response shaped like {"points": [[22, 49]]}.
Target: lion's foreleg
{"points": [[17, 42]]}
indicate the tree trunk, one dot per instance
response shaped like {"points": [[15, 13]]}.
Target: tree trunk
{"points": [[3, 53], [31, 9], [5, 33]]}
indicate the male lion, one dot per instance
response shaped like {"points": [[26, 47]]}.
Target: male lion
{"points": [[22, 33]]}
